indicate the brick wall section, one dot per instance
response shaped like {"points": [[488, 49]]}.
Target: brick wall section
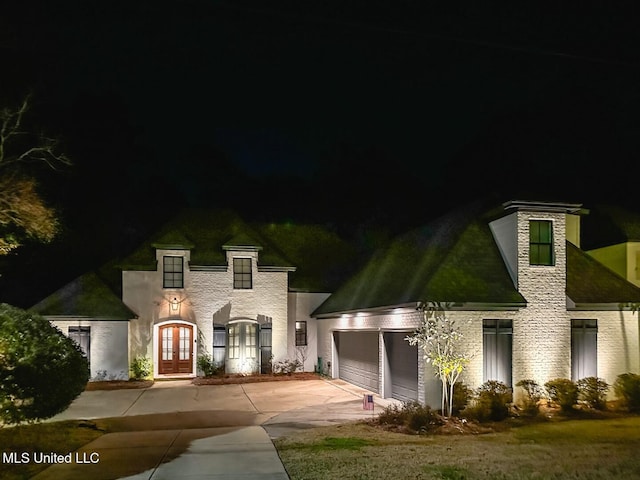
{"points": [[540, 334], [207, 297]]}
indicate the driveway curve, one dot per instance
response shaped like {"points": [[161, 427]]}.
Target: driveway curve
{"points": [[176, 430]]}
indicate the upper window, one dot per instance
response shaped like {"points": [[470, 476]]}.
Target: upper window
{"points": [[301, 334], [540, 242], [242, 273], [173, 272]]}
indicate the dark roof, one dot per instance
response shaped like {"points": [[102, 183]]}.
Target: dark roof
{"points": [[204, 232], [319, 256], [323, 259], [609, 225], [453, 259], [588, 281], [86, 296]]}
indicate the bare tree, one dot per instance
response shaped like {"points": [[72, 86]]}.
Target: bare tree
{"points": [[23, 212], [302, 353]]}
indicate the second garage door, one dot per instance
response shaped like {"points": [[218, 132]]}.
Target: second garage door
{"points": [[358, 358], [403, 366]]}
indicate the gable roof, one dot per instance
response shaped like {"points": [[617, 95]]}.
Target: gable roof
{"points": [[204, 232], [453, 259], [316, 257], [590, 282], [86, 296]]}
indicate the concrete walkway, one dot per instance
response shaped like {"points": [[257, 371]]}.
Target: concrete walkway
{"points": [[176, 430]]}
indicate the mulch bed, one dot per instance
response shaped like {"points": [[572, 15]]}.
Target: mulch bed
{"points": [[118, 385], [234, 379], [222, 380]]}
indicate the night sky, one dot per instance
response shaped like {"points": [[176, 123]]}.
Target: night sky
{"points": [[357, 116]]}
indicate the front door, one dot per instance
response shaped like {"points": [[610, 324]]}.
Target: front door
{"points": [[175, 349]]}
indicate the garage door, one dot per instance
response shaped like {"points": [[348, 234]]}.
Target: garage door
{"points": [[403, 366], [358, 358]]}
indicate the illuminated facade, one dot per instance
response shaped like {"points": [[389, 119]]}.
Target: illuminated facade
{"points": [[531, 302]]}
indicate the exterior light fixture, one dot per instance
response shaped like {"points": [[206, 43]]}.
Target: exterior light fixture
{"points": [[174, 304]]}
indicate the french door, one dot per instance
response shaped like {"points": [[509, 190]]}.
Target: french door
{"points": [[175, 349]]}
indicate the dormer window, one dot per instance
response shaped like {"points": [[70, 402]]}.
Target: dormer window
{"points": [[242, 278], [173, 272], [540, 242]]}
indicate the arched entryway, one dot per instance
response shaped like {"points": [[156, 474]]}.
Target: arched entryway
{"points": [[175, 349]]}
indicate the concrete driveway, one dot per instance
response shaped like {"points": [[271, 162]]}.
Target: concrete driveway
{"points": [[178, 430]]}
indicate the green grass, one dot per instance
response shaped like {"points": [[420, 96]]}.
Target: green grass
{"points": [[572, 449], [58, 437]]}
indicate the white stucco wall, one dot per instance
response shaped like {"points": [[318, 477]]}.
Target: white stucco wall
{"points": [[301, 304], [207, 297], [109, 346]]}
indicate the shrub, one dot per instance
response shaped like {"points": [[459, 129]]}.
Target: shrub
{"points": [[495, 396], [530, 405], [461, 396], [141, 368], [208, 367], [41, 370], [286, 367], [562, 392], [627, 390], [411, 415], [593, 391], [491, 402]]}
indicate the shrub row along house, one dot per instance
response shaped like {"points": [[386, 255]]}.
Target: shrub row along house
{"points": [[531, 302]]}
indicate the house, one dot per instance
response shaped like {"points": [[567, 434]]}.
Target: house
{"points": [[207, 283], [531, 302]]}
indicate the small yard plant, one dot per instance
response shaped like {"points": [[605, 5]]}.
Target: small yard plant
{"points": [[286, 367], [411, 416], [563, 392], [490, 403], [627, 390], [593, 392], [141, 368], [533, 394], [208, 367]]}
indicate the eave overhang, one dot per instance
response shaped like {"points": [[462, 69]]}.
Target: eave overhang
{"points": [[208, 268], [268, 268], [558, 207], [53, 318], [464, 306], [173, 246], [601, 307], [242, 248]]}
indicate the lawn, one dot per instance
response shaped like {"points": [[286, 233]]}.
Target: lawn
{"points": [[568, 449], [58, 437]]}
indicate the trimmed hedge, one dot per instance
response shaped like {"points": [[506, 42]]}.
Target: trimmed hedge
{"points": [[41, 370]]}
